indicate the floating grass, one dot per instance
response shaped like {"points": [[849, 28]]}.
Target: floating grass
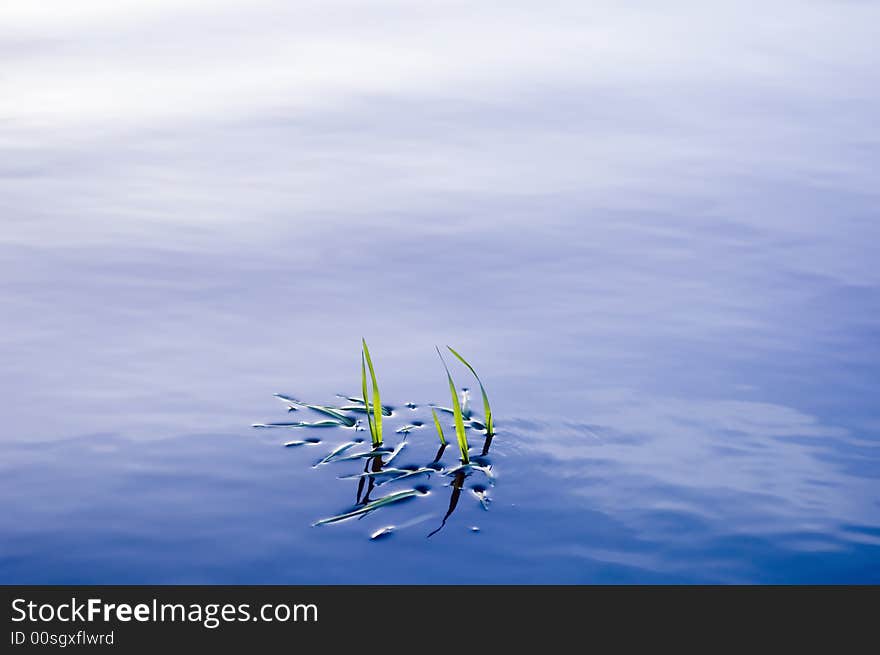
{"points": [[422, 470], [311, 441], [439, 427], [361, 409], [380, 462], [375, 452], [360, 406], [377, 401], [395, 452], [347, 421], [336, 452], [292, 403], [486, 408], [384, 473], [371, 506], [456, 411], [300, 424], [332, 412], [388, 475]]}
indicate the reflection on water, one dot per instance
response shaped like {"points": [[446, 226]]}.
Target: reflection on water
{"points": [[457, 484], [657, 237]]}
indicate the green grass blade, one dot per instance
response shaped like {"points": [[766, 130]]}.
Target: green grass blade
{"points": [[486, 408], [456, 410], [364, 387], [377, 402], [439, 427]]}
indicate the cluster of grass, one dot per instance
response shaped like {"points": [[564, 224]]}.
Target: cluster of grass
{"points": [[375, 411], [377, 469], [371, 405]]}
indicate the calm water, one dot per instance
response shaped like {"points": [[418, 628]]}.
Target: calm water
{"points": [[654, 234]]}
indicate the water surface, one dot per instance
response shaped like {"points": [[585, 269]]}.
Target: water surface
{"points": [[654, 234]]}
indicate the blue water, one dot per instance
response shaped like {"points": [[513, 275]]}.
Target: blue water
{"points": [[654, 235]]}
